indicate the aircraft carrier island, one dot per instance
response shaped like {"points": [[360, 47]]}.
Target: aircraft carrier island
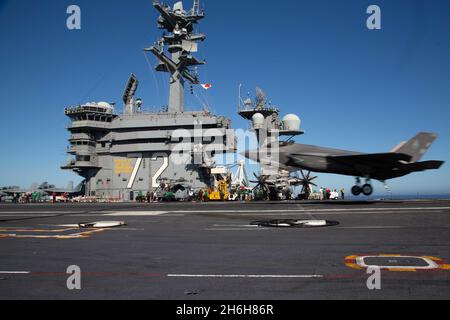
{"points": [[120, 156]]}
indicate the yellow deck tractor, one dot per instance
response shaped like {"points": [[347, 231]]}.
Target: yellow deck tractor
{"points": [[221, 192]]}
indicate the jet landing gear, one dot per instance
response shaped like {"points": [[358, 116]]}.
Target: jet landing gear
{"points": [[366, 189]]}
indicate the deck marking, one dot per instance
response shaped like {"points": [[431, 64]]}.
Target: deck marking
{"points": [[41, 212], [236, 229], [433, 263], [307, 210], [135, 213], [244, 276], [15, 272], [236, 225], [374, 227], [55, 234], [39, 230], [430, 264], [29, 215]]}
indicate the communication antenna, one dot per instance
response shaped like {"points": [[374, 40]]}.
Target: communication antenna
{"points": [[240, 99], [196, 8], [261, 98]]}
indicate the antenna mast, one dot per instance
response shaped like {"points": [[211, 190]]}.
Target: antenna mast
{"points": [[196, 8], [176, 48]]}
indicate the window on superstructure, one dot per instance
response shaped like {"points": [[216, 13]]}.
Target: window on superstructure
{"points": [[84, 158]]}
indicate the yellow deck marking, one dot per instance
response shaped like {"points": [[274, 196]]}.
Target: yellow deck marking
{"points": [[39, 230], [401, 270], [79, 235], [353, 266], [390, 255], [433, 258]]}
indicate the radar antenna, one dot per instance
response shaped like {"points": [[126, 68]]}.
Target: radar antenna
{"points": [[261, 98], [181, 41], [128, 95]]}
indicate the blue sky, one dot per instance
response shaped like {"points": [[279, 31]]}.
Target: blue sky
{"points": [[353, 88]]}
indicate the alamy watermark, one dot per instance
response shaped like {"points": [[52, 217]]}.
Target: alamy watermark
{"points": [[374, 20], [374, 281], [73, 21], [74, 280]]}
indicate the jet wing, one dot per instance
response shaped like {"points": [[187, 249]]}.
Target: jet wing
{"points": [[11, 192], [58, 192], [375, 159]]}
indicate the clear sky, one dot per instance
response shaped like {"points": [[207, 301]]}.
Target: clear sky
{"points": [[354, 88]]}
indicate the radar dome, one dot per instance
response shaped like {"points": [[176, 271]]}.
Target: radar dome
{"points": [[106, 105], [258, 120], [291, 122]]}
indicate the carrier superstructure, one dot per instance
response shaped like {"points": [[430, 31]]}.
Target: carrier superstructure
{"points": [[121, 155]]}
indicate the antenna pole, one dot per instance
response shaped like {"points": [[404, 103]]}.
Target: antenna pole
{"points": [[239, 99], [196, 8]]}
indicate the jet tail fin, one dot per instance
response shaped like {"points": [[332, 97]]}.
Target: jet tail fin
{"points": [[70, 186], [417, 146], [79, 187]]}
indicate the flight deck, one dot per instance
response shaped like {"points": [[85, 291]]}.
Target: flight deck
{"points": [[213, 251]]}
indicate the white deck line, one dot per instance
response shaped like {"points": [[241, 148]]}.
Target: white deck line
{"points": [[233, 212], [306, 210], [273, 276], [135, 213]]}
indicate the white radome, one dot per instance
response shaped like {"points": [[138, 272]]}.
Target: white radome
{"points": [[292, 122], [258, 120], [107, 106], [104, 104]]}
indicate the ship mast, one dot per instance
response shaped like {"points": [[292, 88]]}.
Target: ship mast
{"points": [[196, 8], [180, 42]]}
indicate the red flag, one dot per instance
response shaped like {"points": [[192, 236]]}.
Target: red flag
{"points": [[206, 86]]}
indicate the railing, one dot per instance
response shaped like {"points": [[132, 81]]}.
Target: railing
{"points": [[82, 109], [81, 149], [89, 124]]}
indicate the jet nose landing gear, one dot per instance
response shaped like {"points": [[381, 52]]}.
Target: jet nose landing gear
{"points": [[366, 189]]}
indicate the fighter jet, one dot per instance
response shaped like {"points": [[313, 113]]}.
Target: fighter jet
{"points": [[401, 161], [3, 194], [69, 191], [45, 189], [16, 190]]}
